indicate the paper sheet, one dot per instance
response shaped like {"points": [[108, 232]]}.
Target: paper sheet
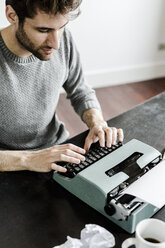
{"points": [[151, 186]]}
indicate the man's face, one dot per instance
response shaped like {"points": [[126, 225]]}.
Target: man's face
{"points": [[41, 35]]}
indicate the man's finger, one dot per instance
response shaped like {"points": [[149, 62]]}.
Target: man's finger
{"points": [[120, 134], [101, 135], [114, 135], [58, 168], [108, 132], [70, 147], [71, 153], [88, 143]]}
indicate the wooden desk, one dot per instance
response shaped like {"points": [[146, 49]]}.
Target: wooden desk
{"points": [[36, 212]]}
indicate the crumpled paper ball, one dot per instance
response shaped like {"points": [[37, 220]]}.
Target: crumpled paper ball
{"points": [[92, 236], [95, 236], [70, 243]]}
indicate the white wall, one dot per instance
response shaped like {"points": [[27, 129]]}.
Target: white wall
{"points": [[3, 21], [118, 40]]}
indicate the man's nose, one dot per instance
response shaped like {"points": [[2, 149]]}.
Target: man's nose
{"points": [[54, 40]]}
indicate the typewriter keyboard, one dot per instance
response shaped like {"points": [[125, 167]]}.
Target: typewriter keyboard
{"points": [[93, 155]]}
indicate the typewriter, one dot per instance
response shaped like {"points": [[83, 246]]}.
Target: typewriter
{"points": [[100, 181]]}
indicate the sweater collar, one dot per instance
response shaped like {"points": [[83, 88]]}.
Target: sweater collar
{"points": [[14, 57]]}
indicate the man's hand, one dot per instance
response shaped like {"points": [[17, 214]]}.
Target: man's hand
{"points": [[45, 160], [106, 135], [41, 160], [99, 130]]}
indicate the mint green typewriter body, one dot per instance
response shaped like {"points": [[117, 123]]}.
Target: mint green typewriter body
{"points": [[102, 191]]}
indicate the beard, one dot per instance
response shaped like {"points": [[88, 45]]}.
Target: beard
{"points": [[26, 43]]}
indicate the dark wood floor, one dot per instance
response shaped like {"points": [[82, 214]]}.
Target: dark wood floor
{"points": [[114, 100]]}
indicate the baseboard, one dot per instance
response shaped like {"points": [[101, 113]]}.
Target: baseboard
{"points": [[117, 76], [123, 75]]}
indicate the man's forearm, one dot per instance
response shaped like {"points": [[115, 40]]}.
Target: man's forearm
{"points": [[93, 117], [12, 160], [43, 160]]}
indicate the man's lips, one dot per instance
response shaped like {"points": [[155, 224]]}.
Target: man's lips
{"points": [[47, 50]]}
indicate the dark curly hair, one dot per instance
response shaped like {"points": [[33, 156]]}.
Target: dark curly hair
{"points": [[28, 8]]}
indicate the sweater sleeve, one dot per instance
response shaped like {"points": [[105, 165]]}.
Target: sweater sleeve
{"points": [[82, 96]]}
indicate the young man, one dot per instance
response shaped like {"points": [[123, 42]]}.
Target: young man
{"points": [[37, 58]]}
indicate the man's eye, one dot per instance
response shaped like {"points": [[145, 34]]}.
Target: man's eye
{"points": [[43, 30]]}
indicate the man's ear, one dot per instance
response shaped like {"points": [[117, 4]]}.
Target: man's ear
{"points": [[11, 15]]}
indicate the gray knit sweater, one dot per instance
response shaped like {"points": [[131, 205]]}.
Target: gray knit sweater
{"points": [[29, 93]]}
